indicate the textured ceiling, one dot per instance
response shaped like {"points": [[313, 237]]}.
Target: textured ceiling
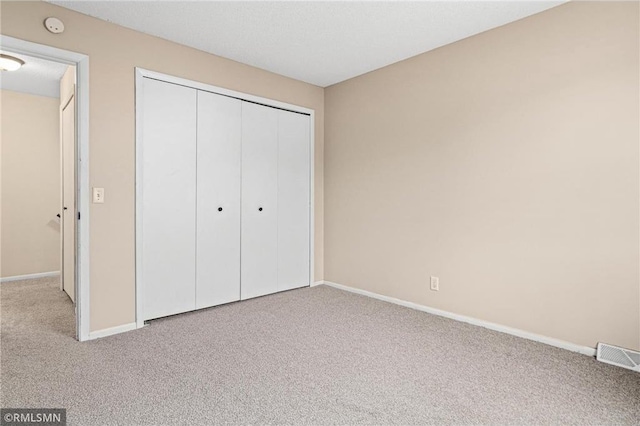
{"points": [[36, 76], [321, 43]]}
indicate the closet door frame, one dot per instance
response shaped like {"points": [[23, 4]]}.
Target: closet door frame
{"points": [[140, 74]]}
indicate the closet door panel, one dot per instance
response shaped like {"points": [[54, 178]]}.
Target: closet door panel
{"points": [[168, 205], [218, 201], [293, 200], [259, 200]]}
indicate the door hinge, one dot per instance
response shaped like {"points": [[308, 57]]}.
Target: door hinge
{"points": [[78, 215]]}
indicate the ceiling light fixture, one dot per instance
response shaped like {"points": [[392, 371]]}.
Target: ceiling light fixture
{"points": [[9, 63]]}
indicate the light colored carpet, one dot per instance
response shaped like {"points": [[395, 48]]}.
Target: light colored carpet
{"points": [[309, 356]]}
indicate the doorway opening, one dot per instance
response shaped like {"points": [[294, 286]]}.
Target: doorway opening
{"points": [[44, 217]]}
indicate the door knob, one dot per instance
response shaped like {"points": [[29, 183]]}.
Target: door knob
{"points": [[219, 209], [259, 209]]}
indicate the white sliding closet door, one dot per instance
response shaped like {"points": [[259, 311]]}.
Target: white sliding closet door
{"points": [[259, 200], [218, 218], [168, 205], [293, 200]]}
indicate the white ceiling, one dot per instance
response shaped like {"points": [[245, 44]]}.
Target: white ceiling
{"points": [[36, 76], [321, 43]]}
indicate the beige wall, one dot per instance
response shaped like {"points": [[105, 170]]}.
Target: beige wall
{"points": [[30, 197], [506, 164], [114, 52]]}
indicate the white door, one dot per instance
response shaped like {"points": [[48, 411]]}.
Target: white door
{"points": [[168, 205], [68, 131], [218, 200], [293, 200], [259, 242]]}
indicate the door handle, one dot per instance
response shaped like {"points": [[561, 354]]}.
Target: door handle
{"points": [[259, 209], [219, 209]]}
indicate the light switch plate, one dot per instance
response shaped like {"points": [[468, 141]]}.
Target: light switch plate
{"points": [[98, 195]]}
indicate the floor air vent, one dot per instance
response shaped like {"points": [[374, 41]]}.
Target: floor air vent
{"points": [[619, 356]]}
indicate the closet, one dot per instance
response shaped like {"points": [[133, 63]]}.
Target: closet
{"points": [[222, 201]]}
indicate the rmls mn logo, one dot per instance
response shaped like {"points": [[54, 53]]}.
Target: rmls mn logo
{"points": [[33, 417]]}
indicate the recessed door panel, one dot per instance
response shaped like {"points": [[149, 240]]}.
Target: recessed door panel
{"points": [[69, 198], [218, 200], [168, 205], [293, 200], [259, 242]]}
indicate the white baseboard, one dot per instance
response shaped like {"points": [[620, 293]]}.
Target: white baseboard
{"points": [[29, 276], [585, 350], [313, 284], [113, 330]]}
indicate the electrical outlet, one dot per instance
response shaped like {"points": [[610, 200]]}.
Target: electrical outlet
{"points": [[98, 195], [435, 283]]}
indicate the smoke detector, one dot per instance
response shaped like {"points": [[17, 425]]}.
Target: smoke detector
{"points": [[54, 25]]}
